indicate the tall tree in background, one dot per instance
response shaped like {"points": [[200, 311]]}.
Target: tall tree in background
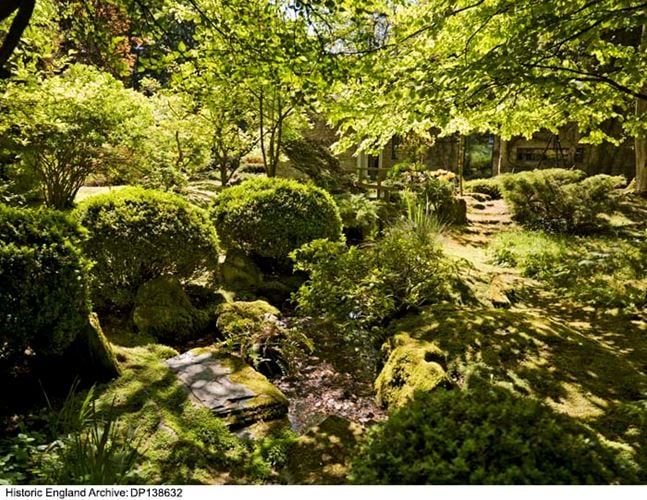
{"points": [[510, 67]]}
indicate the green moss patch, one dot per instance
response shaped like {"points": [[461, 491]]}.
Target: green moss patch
{"points": [[590, 368], [412, 365], [322, 455]]}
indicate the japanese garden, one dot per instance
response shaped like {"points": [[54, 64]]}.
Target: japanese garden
{"points": [[275, 242]]}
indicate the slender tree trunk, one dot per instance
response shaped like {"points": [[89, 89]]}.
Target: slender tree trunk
{"points": [[20, 22], [503, 152], [641, 138], [261, 111]]}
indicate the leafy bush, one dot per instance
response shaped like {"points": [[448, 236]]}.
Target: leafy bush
{"points": [[76, 123], [362, 287], [436, 188], [484, 436], [359, 216], [609, 272], [136, 235], [270, 217], [559, 200], [44, 293], [491, 187]]}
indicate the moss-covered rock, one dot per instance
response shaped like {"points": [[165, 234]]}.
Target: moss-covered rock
{"points": [[322, 455], [163, 309], [412, 365], [235, 318], [227, 386], [92, 354], [239, 272]]}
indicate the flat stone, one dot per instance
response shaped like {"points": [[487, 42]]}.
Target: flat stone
{"points": [[228, 387]]}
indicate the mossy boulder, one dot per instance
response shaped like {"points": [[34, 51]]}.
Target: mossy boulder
{"points": [[240, 273], [164, 310], [235, 318], [455, 212], [322, 455], [227, 386], [91, 353], [412, 365]]}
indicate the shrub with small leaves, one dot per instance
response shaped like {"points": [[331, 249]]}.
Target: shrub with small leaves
{"points": [[485, 436], [270, 217], [560, 200], [137, 235], [490, 187], [43, 292]]}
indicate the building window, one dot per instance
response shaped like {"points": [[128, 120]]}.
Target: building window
{"points": [[395, 142], [530, 154], [579, 155]]}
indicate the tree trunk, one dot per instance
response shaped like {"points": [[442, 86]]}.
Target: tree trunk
{"points": [[25, 9], [641, 138]]}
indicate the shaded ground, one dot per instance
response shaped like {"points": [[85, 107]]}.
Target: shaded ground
{"points": [[588, 363], [318, 389]]}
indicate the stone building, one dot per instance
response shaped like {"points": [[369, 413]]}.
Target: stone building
{"points": [[486, 155]]}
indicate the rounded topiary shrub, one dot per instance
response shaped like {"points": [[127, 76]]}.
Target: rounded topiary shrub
{"points": [[137, 235], [484, 436], [270, 217], [490, 187], [43, 288]]}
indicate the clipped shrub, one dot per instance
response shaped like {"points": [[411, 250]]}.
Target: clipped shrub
{"points": [[484, 436], [43, 294], [359, 216], [558, 200], [270, 217], [137, 235], [490, 187]]}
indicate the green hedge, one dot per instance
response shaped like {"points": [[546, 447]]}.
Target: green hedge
{"points": [[560, 200], [43, 289], [270, 217], [136, 235], [484, 436], [491, 187]]}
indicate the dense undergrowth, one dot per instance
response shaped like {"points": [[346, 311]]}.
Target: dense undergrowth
{"points": [[391, 288]]}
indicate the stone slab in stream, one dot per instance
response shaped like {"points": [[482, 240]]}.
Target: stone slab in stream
{"points": [[229, 387]]}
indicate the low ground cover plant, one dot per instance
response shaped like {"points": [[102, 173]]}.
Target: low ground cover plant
{"points": [[136, 235], [609, 272]]}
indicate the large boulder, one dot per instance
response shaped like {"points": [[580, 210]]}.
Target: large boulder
{"points": [[164, 310], [240, 273], [412, 365], [228, 387]]}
